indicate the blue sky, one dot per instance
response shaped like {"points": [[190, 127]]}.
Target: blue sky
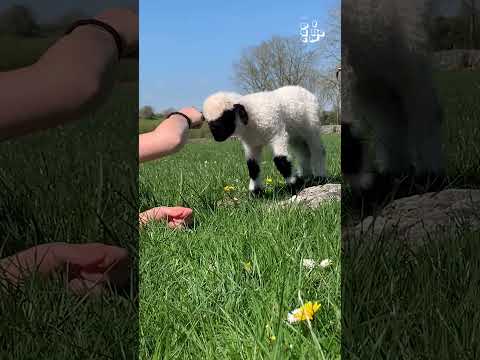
{"points": [[188, 47]]}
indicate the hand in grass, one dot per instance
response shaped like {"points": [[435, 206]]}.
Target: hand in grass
{"points": [[176, 217], [90, 268]]}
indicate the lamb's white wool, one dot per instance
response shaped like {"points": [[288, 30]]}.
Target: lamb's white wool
{"points": [[279, 118], [218, 103], [387, 86]]}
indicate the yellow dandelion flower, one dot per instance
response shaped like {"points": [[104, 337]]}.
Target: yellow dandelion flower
{"points": [[269, 181], [229, 188], [306, 312], [247, 266]]}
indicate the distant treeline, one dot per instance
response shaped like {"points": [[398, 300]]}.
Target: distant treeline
{"points": [[458, 32], [19, 20], [148, 113]]}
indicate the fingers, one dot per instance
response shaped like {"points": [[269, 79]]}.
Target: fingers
{"points": [[89, 257], [93, 285], [83, 255], [178, 212], [156, 214], [176, 217], [113, 271], [179, 218], [79, 260]]}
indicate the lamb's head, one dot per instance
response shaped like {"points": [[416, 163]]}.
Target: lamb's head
{"points": [[224, 114]]}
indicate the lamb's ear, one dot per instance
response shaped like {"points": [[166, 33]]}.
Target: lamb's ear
{"points": [[242, 113]]}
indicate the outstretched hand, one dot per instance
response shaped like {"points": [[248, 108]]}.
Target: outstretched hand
{"points": [[90, 268], [176, 217]]}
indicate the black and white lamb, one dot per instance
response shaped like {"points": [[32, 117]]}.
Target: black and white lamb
{"points": [[281, 118], [388, 89]]}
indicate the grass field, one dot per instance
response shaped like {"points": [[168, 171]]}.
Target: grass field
{"points": [[224, 288], [459, 93], [401, 304], [63, 185]]}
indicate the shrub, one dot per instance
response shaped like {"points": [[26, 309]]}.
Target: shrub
{"points": [[147, 112]]}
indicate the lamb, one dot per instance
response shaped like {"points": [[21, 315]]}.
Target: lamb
{"points": [[279, 118], [387, 87]]}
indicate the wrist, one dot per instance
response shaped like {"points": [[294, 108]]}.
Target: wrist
{"points": [[120, 39], [97, 35], [180, 121], [98, 26], [182, 115]]}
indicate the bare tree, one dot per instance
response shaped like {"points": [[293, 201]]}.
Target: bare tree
{"points": [[330, 91], [18, 20], [146, 112], [330, 47], [275, 63], [284, 61], [471, 10], [328, 83]]}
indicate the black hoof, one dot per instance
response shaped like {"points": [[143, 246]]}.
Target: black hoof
{"points": [[256, 192], [297, 185]]}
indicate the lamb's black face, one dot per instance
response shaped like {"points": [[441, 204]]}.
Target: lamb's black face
{"points": [[224, 126]]}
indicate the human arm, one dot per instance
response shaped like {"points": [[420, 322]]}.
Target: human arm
{"points": [[175, 217], [71, 78], [168, 137], [90, 266]]}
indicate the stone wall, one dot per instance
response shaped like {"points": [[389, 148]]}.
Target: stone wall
{"points": [[457, 59]]}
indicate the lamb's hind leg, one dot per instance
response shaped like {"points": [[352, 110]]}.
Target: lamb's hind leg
{"points": [[302, 154], [282, 159], [317, 156]]}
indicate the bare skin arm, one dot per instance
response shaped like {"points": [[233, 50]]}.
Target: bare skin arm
{"points": [[169, 136], [70, 79]]}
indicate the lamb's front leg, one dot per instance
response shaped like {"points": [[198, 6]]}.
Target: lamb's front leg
{"points": [[253, 155], [282, 160]]}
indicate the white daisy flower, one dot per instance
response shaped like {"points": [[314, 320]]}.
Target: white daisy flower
{"points": [[326, 263], [309, 263]]}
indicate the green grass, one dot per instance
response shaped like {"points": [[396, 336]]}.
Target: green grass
{"points": [[197, 299], [398, 303], [147, 125], [459, 93], [62, 185]]}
